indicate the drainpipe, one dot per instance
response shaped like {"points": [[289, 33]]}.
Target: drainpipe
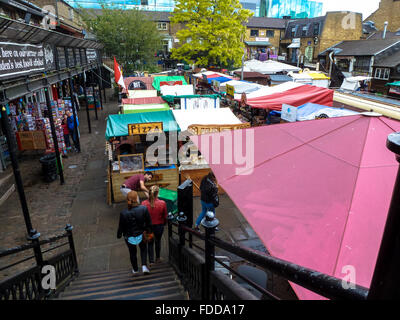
{"points": [[331, 64], [385, 30]]}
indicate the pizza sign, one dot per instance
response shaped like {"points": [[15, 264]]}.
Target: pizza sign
{"points": [[145, 128]]}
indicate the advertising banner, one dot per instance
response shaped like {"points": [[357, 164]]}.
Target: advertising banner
{"points": [[20, 59]]}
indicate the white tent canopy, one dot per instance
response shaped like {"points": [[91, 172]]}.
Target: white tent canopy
{"points": [[219, 116], [353, 83], [269, 66], [265, 91], [177, 90], [142, 94]]}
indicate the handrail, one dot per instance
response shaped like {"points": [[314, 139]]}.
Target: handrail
{"points": [[322, 284]]}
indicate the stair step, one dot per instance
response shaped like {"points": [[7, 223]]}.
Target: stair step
{"points": [[117, 271], [131, 283], [128, 273], [149, 295], [169, 297], [133, 293]]}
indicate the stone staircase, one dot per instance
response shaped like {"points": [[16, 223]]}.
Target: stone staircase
{"points": [[160, 284]]}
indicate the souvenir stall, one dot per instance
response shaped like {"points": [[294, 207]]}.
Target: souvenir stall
{"points": [[126, 147], [30, 122], [197, 122]]}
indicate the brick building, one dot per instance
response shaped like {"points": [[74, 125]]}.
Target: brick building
{"points": [[389, 10], [309, 37], [67, 18]]}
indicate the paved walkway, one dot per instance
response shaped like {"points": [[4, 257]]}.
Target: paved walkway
{"points": [[82, 203]]}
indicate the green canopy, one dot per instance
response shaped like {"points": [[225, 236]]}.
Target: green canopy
{"points": [[117, 124], [133, 108], [170, 99], [396, 84], [157, 80]]}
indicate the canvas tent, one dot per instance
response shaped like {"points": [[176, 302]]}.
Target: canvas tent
{"points": [[177, 90], [353, 83], [310, 111], [132, 94], [128, 108], [317, 192], [294, 97], [219, 116], [269, 66], [117, 124], [138, 101]]}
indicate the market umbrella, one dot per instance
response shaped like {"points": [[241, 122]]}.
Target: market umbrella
{"points": [[317, 192]]}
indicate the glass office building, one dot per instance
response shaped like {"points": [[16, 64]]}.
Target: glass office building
{"points": [[270, 8]]}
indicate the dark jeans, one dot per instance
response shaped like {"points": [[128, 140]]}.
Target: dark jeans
{"points": [[158, 230], [74, 137], [67, 141], [132, 252]]}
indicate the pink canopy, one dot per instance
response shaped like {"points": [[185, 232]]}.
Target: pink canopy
{"points": [[295, 97], [318, 193]]}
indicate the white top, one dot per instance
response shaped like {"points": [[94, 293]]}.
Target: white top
{"points": [[220, 116], [177, 90]]}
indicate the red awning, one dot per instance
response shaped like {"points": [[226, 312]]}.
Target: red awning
{"points": [[149, 100], [295, 97]]}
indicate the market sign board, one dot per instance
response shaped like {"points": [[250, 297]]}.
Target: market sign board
{"points": [[171, 83], [230, 90], [91, 55], [289, 113], [20, 59], [216, 85], [145, 128]]}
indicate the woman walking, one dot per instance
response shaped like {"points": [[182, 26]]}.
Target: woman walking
{"points": [[132, 223], [158, 214], [209, 197]]}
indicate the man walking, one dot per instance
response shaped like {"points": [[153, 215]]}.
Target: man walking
{"points": [[73, 132], [136, 183]]}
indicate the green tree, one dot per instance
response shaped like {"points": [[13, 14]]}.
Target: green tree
{"points": [[213, 32], [129, 35]]}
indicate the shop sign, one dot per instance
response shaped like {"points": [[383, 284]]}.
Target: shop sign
{"points": [[91, 55], [230, 90], [18, 59], [262, 39], [144, 128], [289, 113]]}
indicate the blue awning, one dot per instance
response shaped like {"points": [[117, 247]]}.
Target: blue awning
{"points": [[219, 79]]}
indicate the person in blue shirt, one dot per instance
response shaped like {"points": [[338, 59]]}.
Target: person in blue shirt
{"points": [[72, 132]]}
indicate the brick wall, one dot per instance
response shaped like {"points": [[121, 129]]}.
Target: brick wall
{"points": [[340, 26], [389, 10], [262, 33]]}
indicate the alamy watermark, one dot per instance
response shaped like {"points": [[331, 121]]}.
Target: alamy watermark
{"points": [[233, 147]]}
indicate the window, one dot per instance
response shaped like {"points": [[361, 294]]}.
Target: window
{"points": [[270, 33], [382, 73], [362, 64], [71, 14], [316, 29], [304, 31], [253, 33], [162, 26], [294, 32]]}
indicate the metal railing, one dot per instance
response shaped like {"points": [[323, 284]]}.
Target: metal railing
{"points": [[27, 284], [196, 268]]}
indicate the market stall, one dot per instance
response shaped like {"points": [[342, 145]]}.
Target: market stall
{"points": [[178, 90], [197, 122], [394, 88], [128, 108], [127, 146], [269, 67], [313, 78], [138, 83], [132, 94]]}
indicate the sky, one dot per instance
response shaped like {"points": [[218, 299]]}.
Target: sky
{"points": [[366, 7]]}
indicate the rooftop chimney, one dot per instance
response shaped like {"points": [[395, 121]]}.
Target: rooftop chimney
{"points": [[385, 29]]}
